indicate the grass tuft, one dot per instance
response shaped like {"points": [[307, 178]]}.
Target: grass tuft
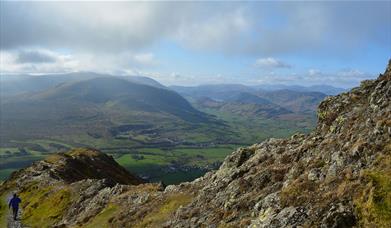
{"points": [[103, 219]]}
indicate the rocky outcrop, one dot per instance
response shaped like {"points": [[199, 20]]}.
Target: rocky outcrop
{"points": [[337, 176], [75, 165], [67, 187]]}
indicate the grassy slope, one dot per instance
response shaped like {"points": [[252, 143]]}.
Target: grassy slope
{"points": [[45, 206], [3, 211], [164, 211], [374, 202]]}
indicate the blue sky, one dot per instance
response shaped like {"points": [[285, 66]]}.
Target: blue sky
{"points": [[191, 43]]}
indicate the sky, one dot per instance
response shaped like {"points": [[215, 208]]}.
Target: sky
{"points": [[338, 43]]}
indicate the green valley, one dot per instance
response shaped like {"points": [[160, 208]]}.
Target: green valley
{"points": [[150, 129]]}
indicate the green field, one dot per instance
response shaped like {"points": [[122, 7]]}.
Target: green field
{"points": [[191, 151], [250, 130], [168, 165], [174, 165]]}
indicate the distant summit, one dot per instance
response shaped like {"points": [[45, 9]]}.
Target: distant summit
{"points": [[326, 89], [18, 84], [118, 91], [102, 108]]}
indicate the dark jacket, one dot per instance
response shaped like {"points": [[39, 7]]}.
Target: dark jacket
{"points": [[14, 202]]}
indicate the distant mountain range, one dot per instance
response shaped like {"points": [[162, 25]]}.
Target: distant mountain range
{"points": [[236, 97], [101, 106], [105, 107], [202, 89], [326, 89], [268, 100], [136, 118]]}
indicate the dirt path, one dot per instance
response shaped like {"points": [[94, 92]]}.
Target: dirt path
{"points": [[11, 223]]}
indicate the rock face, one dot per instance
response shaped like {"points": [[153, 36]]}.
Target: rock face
{"points": [[337, 176]]}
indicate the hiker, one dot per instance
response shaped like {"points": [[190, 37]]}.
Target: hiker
{"points": [[14, 203]]}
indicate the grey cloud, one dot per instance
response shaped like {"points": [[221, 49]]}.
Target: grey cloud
{"points": [[74, 25], [35, 56], [257, 28], [112, 27]]}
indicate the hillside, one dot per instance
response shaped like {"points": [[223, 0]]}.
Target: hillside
{"points": [[336, 176], [136, 97], [243, 104], [92, 106], [257, 115], [298, 102]]}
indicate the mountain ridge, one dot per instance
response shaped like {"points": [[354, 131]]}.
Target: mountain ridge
{"points": [[12, 85], [292, 100]]}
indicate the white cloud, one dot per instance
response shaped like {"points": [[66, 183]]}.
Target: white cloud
{"points": [[39, 61], [223, 29], [352, 73], [345, 78], [314, 72], [271, 63], [147, 59]]}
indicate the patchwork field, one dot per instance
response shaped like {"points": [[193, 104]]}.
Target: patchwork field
{"points": [[167, 162]]}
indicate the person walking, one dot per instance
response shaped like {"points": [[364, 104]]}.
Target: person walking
{"points": [[14, 203]]}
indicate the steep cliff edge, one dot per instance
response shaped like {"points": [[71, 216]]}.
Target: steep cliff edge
{"points": [[337, 176]]}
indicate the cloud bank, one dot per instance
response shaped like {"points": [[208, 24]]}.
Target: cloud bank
{"points": [[259, 28]]}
